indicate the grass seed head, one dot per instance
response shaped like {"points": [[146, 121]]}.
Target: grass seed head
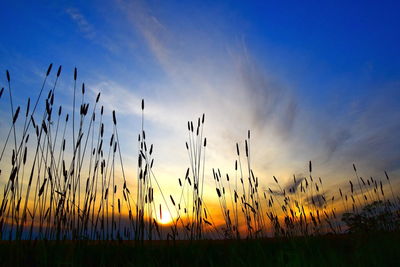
{"points": [[49, 69], [59, 71]]}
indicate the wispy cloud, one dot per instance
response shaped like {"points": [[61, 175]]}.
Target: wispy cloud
{"points": [[84, 26], [237, 93], [225, 82], [89, 31]]}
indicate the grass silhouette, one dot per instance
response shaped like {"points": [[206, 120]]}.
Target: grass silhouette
{"points": [[58, 189]]}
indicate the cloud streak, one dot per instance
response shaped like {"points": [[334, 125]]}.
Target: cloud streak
{"points": [[230, 85]]}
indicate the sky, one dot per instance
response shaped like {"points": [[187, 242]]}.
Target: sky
{"points": [[317, 81]]}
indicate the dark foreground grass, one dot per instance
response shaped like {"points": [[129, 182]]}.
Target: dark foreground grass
{"points": [[331, 250]]}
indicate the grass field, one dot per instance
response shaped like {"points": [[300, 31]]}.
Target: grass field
{"points": [[66, 201], [331, 250]]}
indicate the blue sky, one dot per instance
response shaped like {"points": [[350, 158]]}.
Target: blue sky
{"points": [[317, 81]]}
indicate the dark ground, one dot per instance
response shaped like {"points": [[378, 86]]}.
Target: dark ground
{"points": [[334, 250]]}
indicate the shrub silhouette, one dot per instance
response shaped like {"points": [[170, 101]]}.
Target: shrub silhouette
{"points": [[375, 217]]}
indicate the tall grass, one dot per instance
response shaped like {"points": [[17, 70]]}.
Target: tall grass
{"points": [[68, 182]]}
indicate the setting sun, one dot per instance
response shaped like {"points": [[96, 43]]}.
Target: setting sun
{"points": [[165, 219]]}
